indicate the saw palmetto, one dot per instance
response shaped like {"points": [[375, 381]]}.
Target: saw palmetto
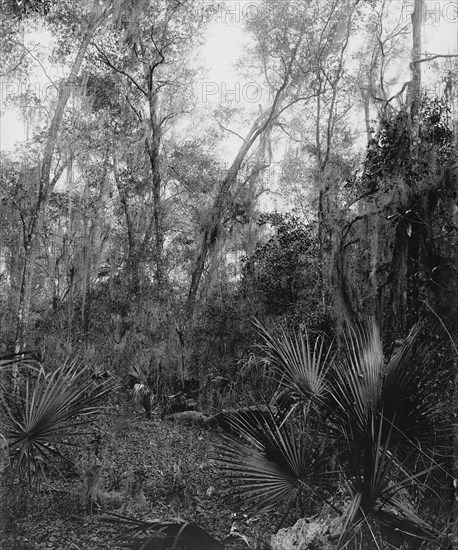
{"points": [[46, 411]]}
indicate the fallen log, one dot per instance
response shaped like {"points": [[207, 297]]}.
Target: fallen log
{"points": [[189, 418]]}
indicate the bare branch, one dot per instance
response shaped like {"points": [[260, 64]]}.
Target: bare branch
{"points": [[136, 111], [304, 98], [16, 66], [282, 127], [41, 65], [431, 57], [118, 70], [168, 117], [229, 130]]}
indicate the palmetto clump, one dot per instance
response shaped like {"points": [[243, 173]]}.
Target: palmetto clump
{"points": [[373, 427]]}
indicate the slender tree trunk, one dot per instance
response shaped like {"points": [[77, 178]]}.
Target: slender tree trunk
{"points": [[329, 237], [132, 256], [367, 115], [374, 258], [321, 193], [153, 145], [153, 148], [212, 229], [454, 483], [46, 184], [414, 88], [415, 221]]}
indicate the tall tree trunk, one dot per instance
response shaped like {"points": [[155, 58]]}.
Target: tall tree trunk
{"points": [[415, 222], [414, 88], [367, 114], [406, 251], [453, 534], [319, 184], [132, 252], [211, 231], [46, 183], [329, 238], [153, 145]]}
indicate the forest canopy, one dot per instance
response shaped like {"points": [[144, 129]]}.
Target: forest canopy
{"points": [[144, 190]]}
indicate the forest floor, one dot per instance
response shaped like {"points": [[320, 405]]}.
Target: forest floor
{"points": [[144, 469]]}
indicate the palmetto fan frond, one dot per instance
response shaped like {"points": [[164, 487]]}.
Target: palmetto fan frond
{"points": [[405, 392], [275, 462], [299, 367], [357, 378], [378, 481], [48, 412], [412, 392], [383, 412]]}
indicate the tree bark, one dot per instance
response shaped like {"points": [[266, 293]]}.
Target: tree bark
{"points": [[414, 88]]}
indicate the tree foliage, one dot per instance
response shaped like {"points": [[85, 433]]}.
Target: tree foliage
{"points": [[281, 277], [409, 219]]}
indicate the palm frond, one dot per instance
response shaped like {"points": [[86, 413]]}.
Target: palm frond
{"points": [[380, 478], [48, 412], [411, 392], [298, 366], [351, 515], [357, 378], [379, 417], [276, 461], [407, 522], [27, 359]]}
